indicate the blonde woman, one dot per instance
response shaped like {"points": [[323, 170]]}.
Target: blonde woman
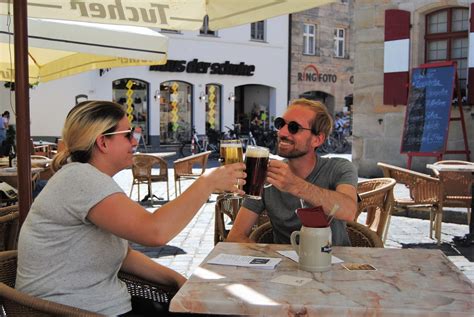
{"points": [[74, 239]]}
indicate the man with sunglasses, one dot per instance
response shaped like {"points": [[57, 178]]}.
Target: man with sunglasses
{"points": [[302, 179]]}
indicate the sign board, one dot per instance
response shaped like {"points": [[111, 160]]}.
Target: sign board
{"points": [[428, 110]]}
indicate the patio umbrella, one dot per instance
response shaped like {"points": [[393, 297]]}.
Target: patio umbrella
{"points": [[63, 48], [171, 14], [168, 14]]}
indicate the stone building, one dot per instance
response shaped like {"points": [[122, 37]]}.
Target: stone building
{"points": [[435, 31], [322, 54]]}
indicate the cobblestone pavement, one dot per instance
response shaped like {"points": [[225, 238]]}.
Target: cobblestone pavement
{"points": [[189, 248]]}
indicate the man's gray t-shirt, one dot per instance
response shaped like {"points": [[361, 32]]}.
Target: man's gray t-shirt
{"points": [[281, 206], [65, 258]]}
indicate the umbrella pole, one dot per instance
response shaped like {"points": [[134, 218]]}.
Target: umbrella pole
{"points": [[22, 107]]}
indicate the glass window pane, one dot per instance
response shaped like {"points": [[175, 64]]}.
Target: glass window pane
{"points": [[311, 45], [213, 108], [175, 112], [460, 20], [438, 22]]}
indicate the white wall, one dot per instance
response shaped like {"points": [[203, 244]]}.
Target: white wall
{"points": [[50, 102]]}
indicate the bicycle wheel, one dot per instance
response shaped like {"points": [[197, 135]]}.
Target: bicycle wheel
{"points": [[185, 150]]}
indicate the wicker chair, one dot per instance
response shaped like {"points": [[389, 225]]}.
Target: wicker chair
{"points": [[183, 168], [424, 193], [9, 226], [360, 235], [456, 186], [142, 169], [263, 233], [377, 200], [16, 303], [226, 209]]}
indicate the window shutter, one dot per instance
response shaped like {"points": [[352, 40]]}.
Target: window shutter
{"points": [[470, 75], [396, 57]]}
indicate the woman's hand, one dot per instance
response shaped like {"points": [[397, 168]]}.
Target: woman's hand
{"points": [[225, 178]]}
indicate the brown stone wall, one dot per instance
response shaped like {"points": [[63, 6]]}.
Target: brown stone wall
{"points": [[326, 19], [377, 128]]}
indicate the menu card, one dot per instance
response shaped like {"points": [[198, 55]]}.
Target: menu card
{"points": [[245, 261]]}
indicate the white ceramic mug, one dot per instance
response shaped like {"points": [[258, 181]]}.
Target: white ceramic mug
{"points": [[314, 248]]}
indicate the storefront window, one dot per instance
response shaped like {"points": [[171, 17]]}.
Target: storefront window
{"points": [[133, 95], [213, 108], [175, 112]]}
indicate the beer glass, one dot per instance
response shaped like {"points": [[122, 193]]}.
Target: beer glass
{"points": [[256, 162], [231, 152]]}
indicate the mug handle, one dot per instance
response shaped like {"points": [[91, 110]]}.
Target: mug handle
{"points": [[295, 245]]}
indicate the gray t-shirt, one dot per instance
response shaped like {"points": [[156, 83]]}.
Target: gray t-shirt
{"points": [[328, 173], [65, 258]]}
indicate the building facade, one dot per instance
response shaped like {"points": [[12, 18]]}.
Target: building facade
{"points": [[391, 38], [212, 80], [322, 55]]}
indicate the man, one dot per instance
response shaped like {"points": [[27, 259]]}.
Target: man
{"points": [[304, 178]]}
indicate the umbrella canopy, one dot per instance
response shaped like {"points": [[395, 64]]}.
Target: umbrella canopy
{"points": [[169, 14], [63, 48]]}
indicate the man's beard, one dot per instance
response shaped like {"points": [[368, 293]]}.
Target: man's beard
{"points": [[291, 154]]}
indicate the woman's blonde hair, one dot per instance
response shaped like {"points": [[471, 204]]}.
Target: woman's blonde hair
{"points": [[84, 123], [322, 122]]}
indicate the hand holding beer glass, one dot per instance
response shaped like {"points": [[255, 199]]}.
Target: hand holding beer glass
{"points": [[231, 152]]}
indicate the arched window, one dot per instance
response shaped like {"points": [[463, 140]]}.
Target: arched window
{"points": [[175, 112], [133, 95], [447, 39]]}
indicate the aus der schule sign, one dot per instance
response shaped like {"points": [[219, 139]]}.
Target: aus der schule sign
{"points": [[195, 66]]}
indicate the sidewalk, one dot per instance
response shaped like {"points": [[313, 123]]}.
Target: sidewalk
{"points": [[188, 249]]}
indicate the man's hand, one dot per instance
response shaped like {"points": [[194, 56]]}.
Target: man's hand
{"points": [[280, 176]]}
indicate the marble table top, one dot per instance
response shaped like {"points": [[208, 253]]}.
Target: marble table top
{"points": [[410, 282]]}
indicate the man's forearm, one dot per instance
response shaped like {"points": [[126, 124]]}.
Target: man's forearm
{"points": [[339, 204]]}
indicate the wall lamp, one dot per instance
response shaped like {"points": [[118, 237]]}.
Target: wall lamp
{"points": [[231, 96], [203, 96], [157, 95]]}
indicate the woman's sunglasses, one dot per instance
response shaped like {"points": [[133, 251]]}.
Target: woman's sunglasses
{"points": [[293, 127], [128, 133]]}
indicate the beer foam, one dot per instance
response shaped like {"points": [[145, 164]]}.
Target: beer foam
{"points": [[236, 145], [257, 151]]}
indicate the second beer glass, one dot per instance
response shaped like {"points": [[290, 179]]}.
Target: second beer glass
{"points": [[256, 162], [231, 152]]}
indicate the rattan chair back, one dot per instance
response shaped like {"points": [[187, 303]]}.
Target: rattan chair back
{"points": [[360, 235], [142, 172], [9, 226], [424, 194], [455, 186], [376, 199], [16, 303], [226, 210], [183, 168]]}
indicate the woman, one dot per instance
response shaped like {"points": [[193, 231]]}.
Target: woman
{"points": [[74, 239]]}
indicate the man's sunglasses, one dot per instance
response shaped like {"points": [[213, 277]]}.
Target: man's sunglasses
{"points": [[128, 133], [293, 127]]}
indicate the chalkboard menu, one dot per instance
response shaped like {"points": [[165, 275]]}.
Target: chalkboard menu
{"points": [[428, 110]]}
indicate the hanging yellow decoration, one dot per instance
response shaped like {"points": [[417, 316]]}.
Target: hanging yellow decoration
{"points": [[174, 106], [129, 102], [211, 106]]}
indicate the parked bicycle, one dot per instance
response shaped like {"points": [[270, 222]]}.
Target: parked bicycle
{"points": [[198, 143], [265, 137]]}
